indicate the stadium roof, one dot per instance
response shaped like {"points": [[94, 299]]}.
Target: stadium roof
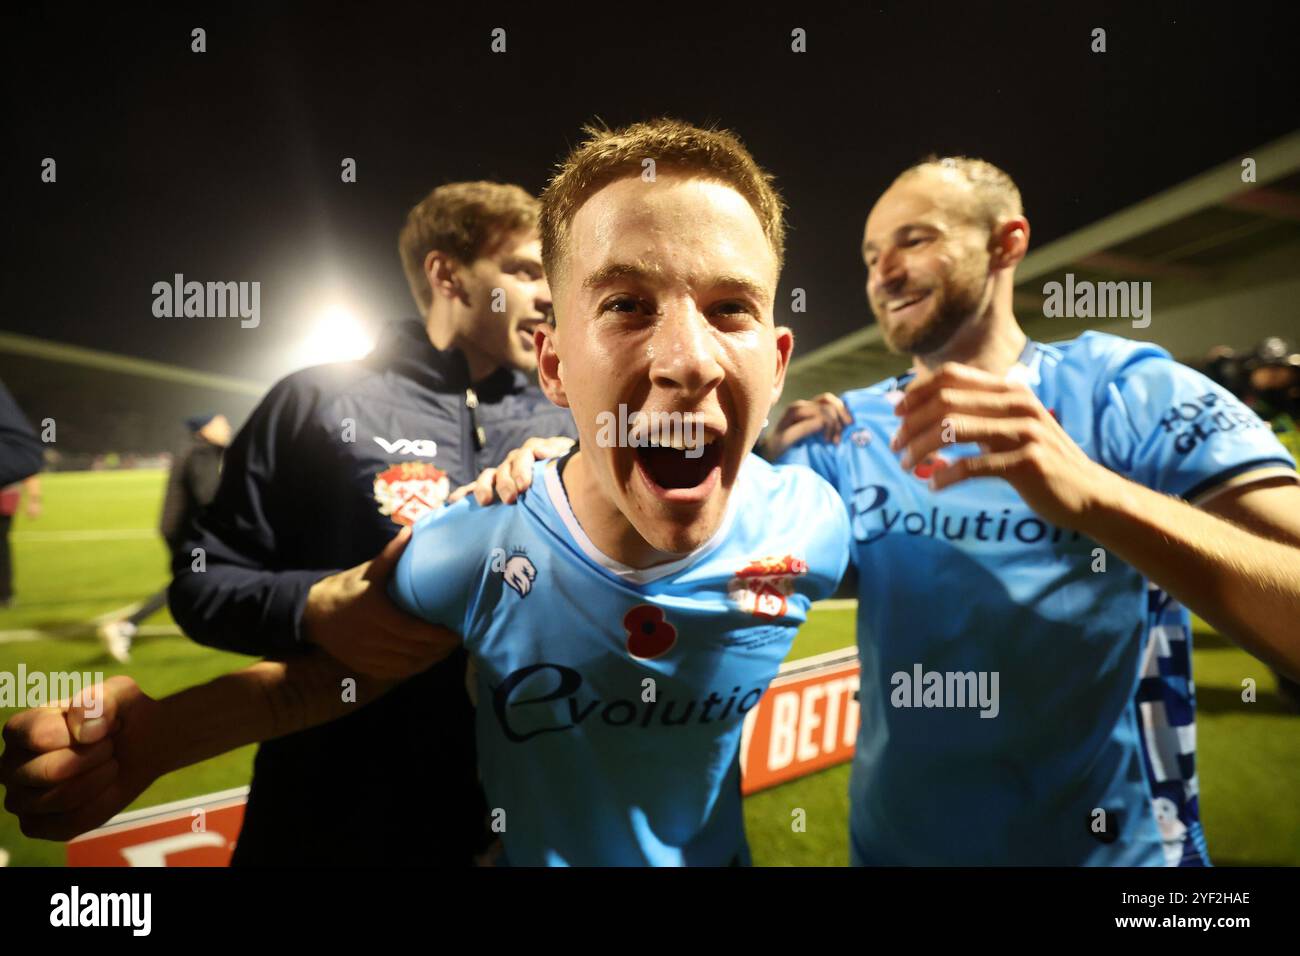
{"points": [[1201, 244], [58, 352]]}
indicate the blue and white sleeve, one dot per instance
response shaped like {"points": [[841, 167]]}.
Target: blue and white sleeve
{"points": [[1170, 428], [439, 574], [814, 452]]}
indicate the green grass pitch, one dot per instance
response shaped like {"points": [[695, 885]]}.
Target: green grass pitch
{"points": [[94, 550]]}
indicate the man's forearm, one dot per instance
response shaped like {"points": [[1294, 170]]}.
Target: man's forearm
{"points": [[261, 702], [1245, 585]]}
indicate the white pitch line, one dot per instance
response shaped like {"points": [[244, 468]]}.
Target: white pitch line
{"points": [[33, 634], [14, 637], [117, 534], [836, 604]]}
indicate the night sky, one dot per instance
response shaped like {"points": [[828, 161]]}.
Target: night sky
{"points": [[225, 165]]}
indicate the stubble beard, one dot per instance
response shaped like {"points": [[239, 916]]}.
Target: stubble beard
{"points": [[955, 303]]}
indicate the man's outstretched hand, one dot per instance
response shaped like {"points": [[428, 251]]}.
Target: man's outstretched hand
{"points": [[350, 616], [68, 769]]}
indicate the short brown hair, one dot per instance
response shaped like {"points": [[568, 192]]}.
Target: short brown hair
{"points": [[996, 196], [608, 154], [463, 220]]}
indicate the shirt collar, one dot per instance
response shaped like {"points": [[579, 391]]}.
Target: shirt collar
{"points": [[625, 573]]}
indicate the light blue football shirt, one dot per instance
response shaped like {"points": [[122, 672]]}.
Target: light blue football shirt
{"points": [[610, 700], [1094, 698]]}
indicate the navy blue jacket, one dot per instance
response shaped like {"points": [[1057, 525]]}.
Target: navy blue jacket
{"points": [[328, 468], [20, 450]]}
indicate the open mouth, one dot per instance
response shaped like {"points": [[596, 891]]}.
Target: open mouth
{"points": [[678, 472]]}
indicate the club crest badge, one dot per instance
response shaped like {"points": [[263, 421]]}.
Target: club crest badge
{"points": [[408, 491], [763, 587]]}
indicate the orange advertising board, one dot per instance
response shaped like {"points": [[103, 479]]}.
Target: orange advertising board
{"points": [[807, 721]]}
